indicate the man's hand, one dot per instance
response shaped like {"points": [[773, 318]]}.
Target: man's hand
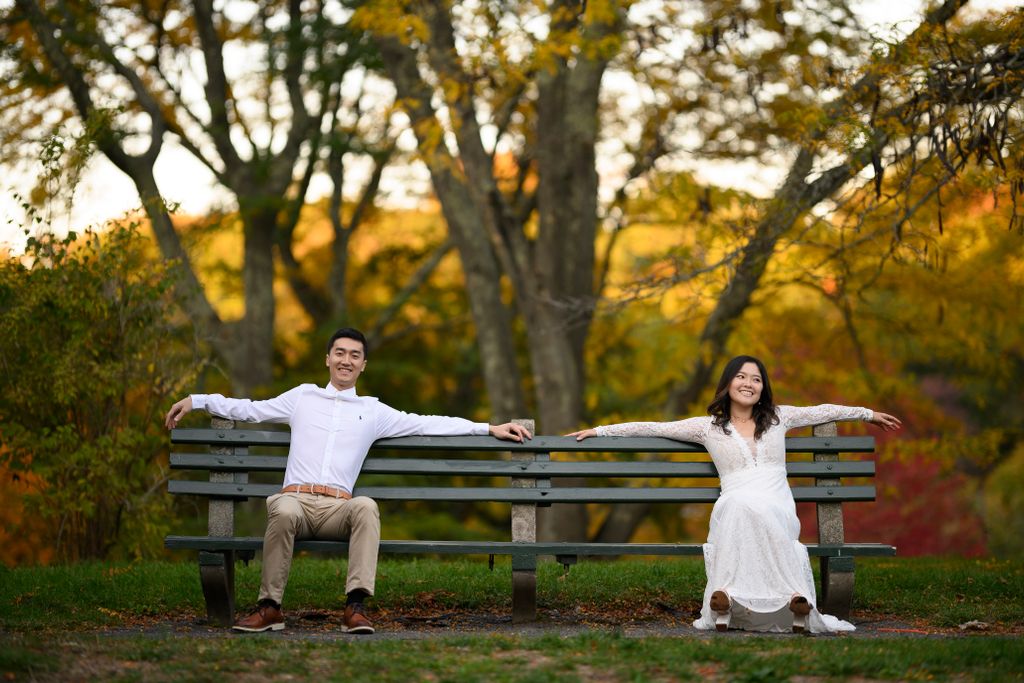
{"points": [[178, 411], [583, 434], [510, 431], [887, 422]]}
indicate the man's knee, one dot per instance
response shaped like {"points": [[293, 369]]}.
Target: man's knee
{"points": [[364, 509], [284, 509]]}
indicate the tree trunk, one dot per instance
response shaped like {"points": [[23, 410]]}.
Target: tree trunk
{"points": [[188, 288], [553, 279], [491, 316], [559, 310], [252, 364], [465, 217]]}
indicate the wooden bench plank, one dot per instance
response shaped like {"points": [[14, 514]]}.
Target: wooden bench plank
{"points": [[508, 468], [252, 543], [228, 463], [540, 444], [466, 494], [618, 444]]}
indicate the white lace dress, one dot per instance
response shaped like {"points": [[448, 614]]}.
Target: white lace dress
{"points": [[753, 551]]}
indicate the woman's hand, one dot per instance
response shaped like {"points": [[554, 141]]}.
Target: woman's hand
{"points": [[887, 422], [583, 434]]}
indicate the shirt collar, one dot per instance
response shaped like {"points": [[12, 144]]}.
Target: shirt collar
{"points": [[346, 393]]}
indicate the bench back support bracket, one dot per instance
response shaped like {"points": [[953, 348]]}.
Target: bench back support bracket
{"points": [[524, 530], [836, 572], [217, 570]]}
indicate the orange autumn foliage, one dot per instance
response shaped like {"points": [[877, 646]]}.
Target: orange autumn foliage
{"points": [[24, 540]]}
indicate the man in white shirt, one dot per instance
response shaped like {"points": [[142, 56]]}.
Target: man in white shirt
{"points": [[332, 429]]}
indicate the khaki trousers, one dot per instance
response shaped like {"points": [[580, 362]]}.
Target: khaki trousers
{"points": [[292, 516]]}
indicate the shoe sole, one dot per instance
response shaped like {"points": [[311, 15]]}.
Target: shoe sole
{"points": [[800, 611], [246, 629], [722, 607], [358, 630]]}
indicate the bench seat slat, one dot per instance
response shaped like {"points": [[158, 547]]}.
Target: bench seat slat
{"points": [[213, 544], [540, 444], [528, 495], [509, 468]]}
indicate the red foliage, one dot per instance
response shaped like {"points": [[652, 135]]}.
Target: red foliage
{"points": [[920, 509]]}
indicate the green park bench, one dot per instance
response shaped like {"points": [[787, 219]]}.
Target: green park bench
{"points": [[520, 475]]}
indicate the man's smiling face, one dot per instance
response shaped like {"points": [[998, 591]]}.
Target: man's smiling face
{"points": [[346, 361]]}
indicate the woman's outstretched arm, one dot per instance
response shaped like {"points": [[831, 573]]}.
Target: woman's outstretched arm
{"points": [[693, 429], [794, 416], [889, 423]]}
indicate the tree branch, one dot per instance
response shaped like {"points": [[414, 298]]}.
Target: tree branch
{"points": [[411, 286]]}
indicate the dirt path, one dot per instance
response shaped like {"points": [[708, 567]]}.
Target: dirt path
{"points": [[327, 625]]}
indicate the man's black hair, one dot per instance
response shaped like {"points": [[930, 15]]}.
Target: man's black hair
{"points": [[349, 333]]}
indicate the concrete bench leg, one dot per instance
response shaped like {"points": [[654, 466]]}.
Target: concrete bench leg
{"points": [[836, 572], [836, 586], [217, 574], [524, 589]]}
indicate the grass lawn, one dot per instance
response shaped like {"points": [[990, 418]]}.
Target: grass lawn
{"points": [[79, 623], [594, 656]]}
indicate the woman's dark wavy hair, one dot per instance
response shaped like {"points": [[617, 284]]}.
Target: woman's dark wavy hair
{"points": [[765, 414]]}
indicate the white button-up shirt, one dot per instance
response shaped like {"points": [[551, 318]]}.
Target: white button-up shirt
{"points": [[332, 430]]}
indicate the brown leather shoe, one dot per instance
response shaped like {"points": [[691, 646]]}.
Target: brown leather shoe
{"points": [[355, 619], [263, 618]]}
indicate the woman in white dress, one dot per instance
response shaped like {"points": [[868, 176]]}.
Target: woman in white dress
{"points": [[759, 574]]}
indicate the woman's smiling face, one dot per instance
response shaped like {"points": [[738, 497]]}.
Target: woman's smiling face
{"points": [[745, 388]]}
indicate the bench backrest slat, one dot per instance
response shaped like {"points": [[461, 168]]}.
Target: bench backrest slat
{"points": [[606, 494], [540, 444], [508, 468]]}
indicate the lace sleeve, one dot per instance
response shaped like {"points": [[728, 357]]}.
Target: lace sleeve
{"points": [[793, 417], [694, 429]]}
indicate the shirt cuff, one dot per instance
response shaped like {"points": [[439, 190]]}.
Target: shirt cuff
{"points": [[481, 429], [199, 401]]}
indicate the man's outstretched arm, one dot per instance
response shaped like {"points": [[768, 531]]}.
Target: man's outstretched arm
{"points": [[178, 411], [277, 409]]}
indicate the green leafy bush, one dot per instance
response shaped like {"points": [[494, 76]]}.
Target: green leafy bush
{"points": [[91, 347]]}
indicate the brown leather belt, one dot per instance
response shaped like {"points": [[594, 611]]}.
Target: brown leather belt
{"points": [[318, 490]]}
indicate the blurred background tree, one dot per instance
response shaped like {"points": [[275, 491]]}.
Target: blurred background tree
{"points": [[552, 85], [252, 92], [599, 275]]}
